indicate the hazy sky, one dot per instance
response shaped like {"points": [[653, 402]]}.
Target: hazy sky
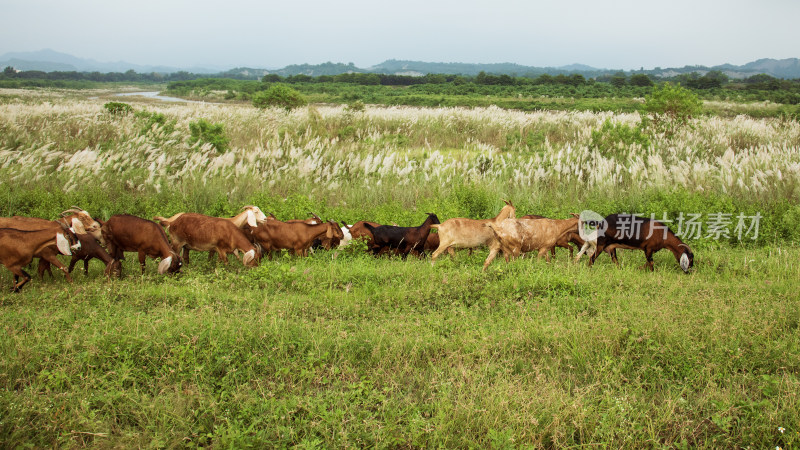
{"points": [[626, 34]]}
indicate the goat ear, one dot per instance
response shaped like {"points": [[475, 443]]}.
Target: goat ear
{"points": [[63, 244], [329, 233], [251, 218], [249, 257], [163, 266], [77, 225], [685, 262]]}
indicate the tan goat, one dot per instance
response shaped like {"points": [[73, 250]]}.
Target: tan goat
{"points": [[468, 233], [516, 236]]}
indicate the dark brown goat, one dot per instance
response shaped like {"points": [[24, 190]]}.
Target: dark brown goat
{"points": [[403, 239], [90, 249], [127, 233], [633, 232]]}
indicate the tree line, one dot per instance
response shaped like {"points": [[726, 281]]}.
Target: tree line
{"points": [[710, 80]]}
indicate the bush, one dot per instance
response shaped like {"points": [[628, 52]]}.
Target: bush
{"points": [[355, 107], [279, 95], [148, 119], [672, 105], [612, 136], [204, 131], [118, 108], [669, 108]]}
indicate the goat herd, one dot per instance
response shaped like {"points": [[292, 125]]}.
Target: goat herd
{"points": [[254, 234]]}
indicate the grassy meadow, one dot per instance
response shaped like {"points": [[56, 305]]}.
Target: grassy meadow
{"points": [[341, 349]]}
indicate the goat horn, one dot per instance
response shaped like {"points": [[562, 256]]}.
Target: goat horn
{"points": [[316, 217], [74, 209]]}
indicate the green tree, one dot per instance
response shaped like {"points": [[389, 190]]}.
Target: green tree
{"points": [[713, 79], [299, 78], [619, 79], [671, 106], [673, 101], [640, 79], [279, 95], [271, 78]]}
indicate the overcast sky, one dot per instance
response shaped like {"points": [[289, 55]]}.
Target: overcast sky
{"points": [[625, 34]]}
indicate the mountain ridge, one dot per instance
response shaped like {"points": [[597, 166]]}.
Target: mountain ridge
{"points": [[48, 60]]}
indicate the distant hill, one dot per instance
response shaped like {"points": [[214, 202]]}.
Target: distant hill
{"points": [[51, 61], [396, 67], [784, 68]]}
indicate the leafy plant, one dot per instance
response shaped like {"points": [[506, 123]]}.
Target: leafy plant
{"points": [[118, 108], [281, 96], [530, 141], [356, 106], [149, 119], [671, 106], [204, 131], [612, 136]]}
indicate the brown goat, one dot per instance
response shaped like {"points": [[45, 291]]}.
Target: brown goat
{"points": [[47, 255], [468, 233], [127, 233], [69, 218], [18, 247], [192, 231], [297, 237], [359, 231], [250, 215]]}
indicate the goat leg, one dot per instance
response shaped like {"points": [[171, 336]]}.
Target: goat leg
{"points": [[19, 273]]}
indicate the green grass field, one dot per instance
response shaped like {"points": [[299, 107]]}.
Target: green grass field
{"points": [[341, 349], [344, 350]]}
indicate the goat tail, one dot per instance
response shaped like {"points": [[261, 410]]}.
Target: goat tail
{"points": [[164, 222]]}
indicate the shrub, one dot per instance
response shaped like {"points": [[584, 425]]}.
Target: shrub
{"points": [[612, 136], [148, 119], [279, 95], [531, 141], [204, 131], [118, 108], [675, 102], [355, 107]]}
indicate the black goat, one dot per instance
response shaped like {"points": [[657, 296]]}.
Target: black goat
{"points": [[401, 239]]}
